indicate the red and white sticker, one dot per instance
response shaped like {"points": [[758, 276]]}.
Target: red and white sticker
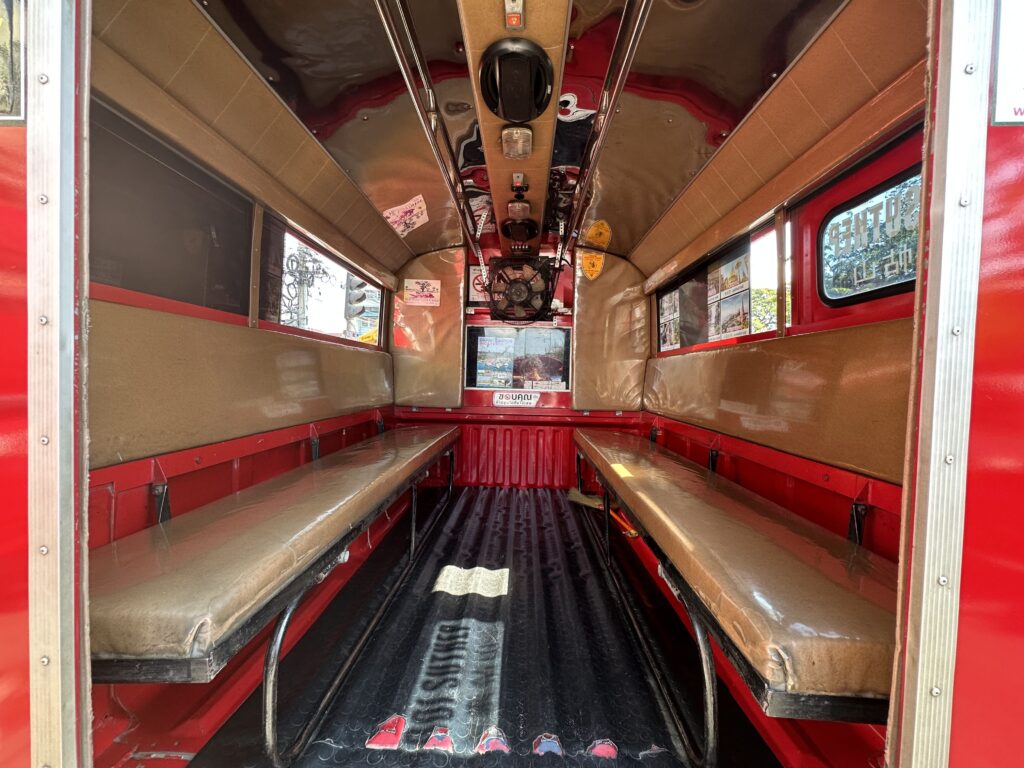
{"points": [[388, 734], [515, 399]]}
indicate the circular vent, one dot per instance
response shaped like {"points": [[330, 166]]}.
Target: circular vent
{"points": [[516, 79]]}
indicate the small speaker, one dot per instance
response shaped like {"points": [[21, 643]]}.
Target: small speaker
{"points": [[516, 79]]}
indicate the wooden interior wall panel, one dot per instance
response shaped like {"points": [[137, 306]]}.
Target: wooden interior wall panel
{"points": [[185, 56], [830, 78], [884, 37], [427, 342], [611, 338], [738, 173], [865, 56], [796, 123]]}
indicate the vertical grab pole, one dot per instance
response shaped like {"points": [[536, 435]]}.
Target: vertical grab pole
{"points": [[607, 524], [451, 474], [579, 472], [412, 516]]}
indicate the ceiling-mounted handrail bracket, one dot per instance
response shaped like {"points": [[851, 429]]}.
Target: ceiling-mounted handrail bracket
{"points": [[425, 106], [634, 19]]}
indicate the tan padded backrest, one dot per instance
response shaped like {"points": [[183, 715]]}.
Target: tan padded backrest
{"points": [[839, 397], [161, 382]]}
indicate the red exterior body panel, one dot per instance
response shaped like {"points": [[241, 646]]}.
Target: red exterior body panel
{"points": [[989, 678], [14, 670]]}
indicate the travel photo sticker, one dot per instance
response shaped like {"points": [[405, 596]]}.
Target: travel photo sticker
{"points": [[735, 315], [668, 321]]}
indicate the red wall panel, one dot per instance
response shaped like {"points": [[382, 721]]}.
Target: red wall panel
{"points": [[510, 447]]}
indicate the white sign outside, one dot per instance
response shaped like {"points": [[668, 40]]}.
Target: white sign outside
{"points": [[1008, 94], [515, 399]]}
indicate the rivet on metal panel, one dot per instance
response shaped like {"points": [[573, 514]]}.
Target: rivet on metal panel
{"points": [[957, 330], [970, 69], [943, 581], [949, 459], [43, 319], [44, 550], [936, 691], [964, 201], [43, 79], [45, 661], [44, 440], [43, 199]]}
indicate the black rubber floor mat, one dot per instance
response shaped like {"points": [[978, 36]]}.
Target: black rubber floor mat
{"points": [[505, 646]]}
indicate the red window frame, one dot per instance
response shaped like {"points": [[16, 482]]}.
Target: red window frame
{"points": [[810, 311]]}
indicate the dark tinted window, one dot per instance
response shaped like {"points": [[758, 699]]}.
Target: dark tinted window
{"points": [[161, 225]]}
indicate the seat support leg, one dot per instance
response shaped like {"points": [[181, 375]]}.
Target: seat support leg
{"points": [[283, 758], [412, 517], [709, 757], [707, 660], [451, 476], [271, 665], [606, 501]]}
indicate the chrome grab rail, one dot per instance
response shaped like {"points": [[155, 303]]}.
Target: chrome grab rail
{"points": [[430, 120]]}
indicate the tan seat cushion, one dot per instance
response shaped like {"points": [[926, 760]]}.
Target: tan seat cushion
{"points": [[176, 590], [811, 611]]}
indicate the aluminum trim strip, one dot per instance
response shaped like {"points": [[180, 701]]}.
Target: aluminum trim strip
{"points": [[52, 151], [958, 139]]}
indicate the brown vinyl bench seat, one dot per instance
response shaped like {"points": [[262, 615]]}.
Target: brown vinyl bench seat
{"points": [[176, 601], [807, 616]]}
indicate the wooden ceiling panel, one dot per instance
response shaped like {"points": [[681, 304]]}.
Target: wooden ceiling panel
{"points": [[547, 25], [861, 77], [158, 37], [884, 37], [830, 79]]}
